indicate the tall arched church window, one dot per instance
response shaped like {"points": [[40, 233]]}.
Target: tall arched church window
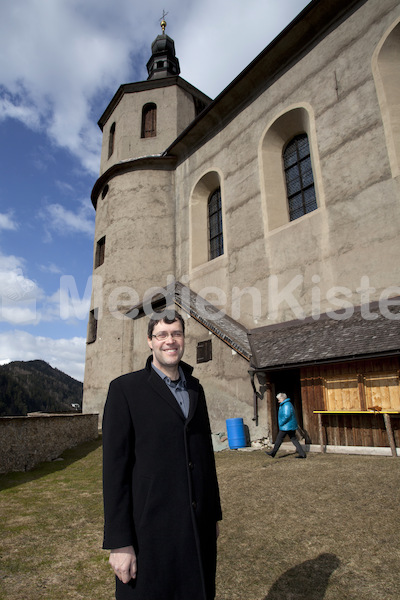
{"points": [[299, 177], [149, 120], [386, 69], [216, 239], [111, 140]]}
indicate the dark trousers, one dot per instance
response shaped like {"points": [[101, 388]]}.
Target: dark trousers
{"points": [[280, 437]]}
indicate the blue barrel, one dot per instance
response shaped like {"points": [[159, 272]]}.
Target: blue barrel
{"points": [[236, 435]]}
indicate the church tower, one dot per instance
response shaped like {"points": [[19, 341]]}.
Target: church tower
{"points": [[135, 200], [163, 62], [144, 118]]}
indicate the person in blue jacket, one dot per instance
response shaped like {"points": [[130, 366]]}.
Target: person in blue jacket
{"points": [[287, 426]]}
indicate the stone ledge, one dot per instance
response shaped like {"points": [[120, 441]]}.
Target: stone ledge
{"points": [[27, 441]]}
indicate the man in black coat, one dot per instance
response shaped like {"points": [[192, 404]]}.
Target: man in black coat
{"points": [[161, 498]]}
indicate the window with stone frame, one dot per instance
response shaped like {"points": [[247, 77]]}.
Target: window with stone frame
{"points": [[149, 120], [111, 140], [204, 351], [299, 177], [215, 233], [92, 326], [100, 252]]}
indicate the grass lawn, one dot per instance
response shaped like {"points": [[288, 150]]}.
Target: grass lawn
{"points": [[325, 528]]}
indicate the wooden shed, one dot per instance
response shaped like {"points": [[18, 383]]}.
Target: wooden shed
{"points": [[341, 371]]}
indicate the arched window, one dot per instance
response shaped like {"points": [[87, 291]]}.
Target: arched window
{"points": [[386, 69], [149, 120], [111, 140], [274, 149], [299, 177], [215, 234], [206, 220]]}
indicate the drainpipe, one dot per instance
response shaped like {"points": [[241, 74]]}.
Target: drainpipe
{"points": [[257, 395]]}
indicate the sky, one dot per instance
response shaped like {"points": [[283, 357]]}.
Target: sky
{"points": [[61, 62]]}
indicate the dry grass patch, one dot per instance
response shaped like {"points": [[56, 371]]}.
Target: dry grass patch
{"points": [[51, 530], [326, 528], [322, 528]]}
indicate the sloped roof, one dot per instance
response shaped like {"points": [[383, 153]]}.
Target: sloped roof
{"points": [[228, 330], [141, 86], [371, 331], [311, 341]]}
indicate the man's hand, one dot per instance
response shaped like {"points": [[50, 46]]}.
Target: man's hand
{"points": [[123, 562]]}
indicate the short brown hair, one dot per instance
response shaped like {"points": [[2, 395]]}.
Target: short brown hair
{"points": [[165, 317]]}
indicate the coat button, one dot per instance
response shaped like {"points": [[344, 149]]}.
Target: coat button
{"points": [[191, 466], [194, 504]]}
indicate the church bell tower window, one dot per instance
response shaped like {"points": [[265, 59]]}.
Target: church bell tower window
{"points": [[111, 140], [149, 120]]}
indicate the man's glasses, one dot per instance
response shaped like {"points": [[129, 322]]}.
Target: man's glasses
{"points": [[163, 335]]}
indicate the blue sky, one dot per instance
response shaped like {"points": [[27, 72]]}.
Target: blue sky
{"points": [[61, 61]]}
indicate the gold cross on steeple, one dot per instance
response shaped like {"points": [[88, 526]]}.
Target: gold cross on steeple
{"points": [[163, 22]]}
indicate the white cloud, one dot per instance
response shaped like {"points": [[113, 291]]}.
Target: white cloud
{"points": [[64, 187], [18, 294], [64, 221], [213, 51], [64, 58], [19, 313], [7, 221], [23, 302], [8, 263], [13, 284], [67, 355], [14, 110], [51, 268], [67, 304], [60, 53]]}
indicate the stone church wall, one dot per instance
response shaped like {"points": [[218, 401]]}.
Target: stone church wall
{"points": [[330, 94], [273, 270]]}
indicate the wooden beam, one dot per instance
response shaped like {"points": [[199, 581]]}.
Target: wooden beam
{"points": [[389, 431], [321, 433]]}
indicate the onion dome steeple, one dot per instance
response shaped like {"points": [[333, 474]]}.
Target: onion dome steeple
{"points": [[163, 62]]}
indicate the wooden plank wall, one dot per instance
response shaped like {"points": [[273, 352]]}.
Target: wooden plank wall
{"points": [[318, 388]]}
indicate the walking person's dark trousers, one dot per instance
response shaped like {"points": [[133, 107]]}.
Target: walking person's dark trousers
{"points": [[292, 435]]}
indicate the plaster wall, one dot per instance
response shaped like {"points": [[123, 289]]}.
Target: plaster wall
{"points": [[353, 233], [175, 110], [137, 218], [226, 383]]}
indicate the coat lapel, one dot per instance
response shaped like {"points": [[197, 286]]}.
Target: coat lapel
{"points": [[162, 390], [193, 389]]}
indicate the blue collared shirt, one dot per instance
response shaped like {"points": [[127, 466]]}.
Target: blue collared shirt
{"points": [[177, 388]]}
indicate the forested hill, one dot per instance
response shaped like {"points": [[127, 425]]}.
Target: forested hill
{"points": [[36, 386]]}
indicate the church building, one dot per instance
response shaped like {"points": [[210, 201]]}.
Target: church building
{"points": [[269, 217]]}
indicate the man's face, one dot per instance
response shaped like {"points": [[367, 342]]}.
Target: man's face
{"points": [[167, 352]]}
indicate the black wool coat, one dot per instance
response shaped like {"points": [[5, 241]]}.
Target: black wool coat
{"points": [[160, 487]]}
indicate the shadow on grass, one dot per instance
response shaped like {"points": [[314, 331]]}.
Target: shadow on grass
{"points": [[307, 581], [9, 480]]}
